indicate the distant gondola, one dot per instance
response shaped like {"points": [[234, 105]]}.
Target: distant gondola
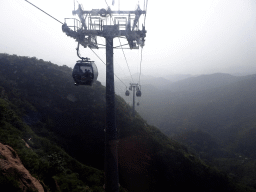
{"points": [[127, 93], [138, 93], [138, 104], [85, 72]]}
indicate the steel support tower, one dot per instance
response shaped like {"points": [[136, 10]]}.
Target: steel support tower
{"points": [[108, 24]]}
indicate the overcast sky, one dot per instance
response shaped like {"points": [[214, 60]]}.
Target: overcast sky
{"points": [[183, 36]]}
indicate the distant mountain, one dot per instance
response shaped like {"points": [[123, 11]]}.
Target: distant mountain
{"points": [[40, 105], [203, 82], [177, 77], [216, 90], [179, 83], [157, 82], [221, 106]]}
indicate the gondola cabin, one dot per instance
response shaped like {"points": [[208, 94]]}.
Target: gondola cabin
{"points": [[127, 93], [138, 93], [85, 72]]}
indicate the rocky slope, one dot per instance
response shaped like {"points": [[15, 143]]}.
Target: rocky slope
{"points": [[11, 165]]}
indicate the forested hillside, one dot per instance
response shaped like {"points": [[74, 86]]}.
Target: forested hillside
{"points": [[64, 126], [215, 115]]}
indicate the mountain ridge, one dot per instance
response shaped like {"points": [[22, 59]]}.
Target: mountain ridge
{"points": [[223, 111]]}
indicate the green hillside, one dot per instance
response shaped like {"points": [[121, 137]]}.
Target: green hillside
{"points": [[64, 125]]}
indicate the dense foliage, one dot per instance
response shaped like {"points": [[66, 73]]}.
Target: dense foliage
{"points": [[44, 159], [64, 126]]}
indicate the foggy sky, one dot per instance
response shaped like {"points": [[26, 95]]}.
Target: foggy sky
{"points": [[183, 36]]}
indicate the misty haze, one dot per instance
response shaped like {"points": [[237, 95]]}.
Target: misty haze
{"points": [[183, 110]]}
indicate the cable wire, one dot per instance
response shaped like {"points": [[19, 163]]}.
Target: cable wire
{"points": [[45, 12], [126, 60], [106, 3], [144, 26], [145, 14], [122, 49], [140, 64], [105, 64]]}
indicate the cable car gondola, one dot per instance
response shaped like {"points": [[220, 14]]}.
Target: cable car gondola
{"points": [[138, 93], [138, 104], [127, 93], [85, 72]]}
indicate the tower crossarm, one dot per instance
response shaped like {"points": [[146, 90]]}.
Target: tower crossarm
{"points": [[101, 12], [107, 23], [88, 37]]}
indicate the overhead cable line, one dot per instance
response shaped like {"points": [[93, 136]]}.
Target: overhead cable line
{"points": [[105, 64], [122, 48], [140, 64], [125, 59], [45, 12], [145, 13], [106, 3], [144, 26]]}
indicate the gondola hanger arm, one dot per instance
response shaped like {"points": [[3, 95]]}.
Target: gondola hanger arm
{"points": [[77, 52]]}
